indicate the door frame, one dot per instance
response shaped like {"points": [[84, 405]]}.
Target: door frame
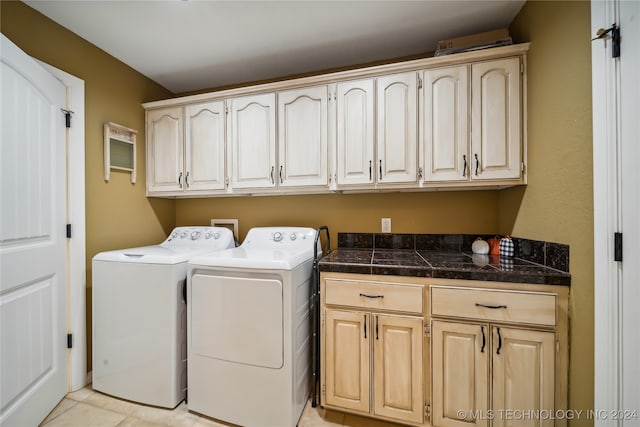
{"points": [[76, 247], [615, 107]]}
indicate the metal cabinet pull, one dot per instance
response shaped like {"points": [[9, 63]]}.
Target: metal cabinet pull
{"points": [[377, 337], [493, 307], [180, 180], [477, 163], [365, 326], [186, 179], [281, 174], [371, 296], [464, 166], [380, 169], [499, 341], [484, 339], [369, 170], [271, 175]]}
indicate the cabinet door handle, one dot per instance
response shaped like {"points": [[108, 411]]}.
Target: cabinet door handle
{"points": [[369, 170], [499, 341], [281, 174], [477, 163], [464, 165], [372, 296], [271, 175], [365, 326], [186, 179], [180, 180], [377, 337], [484, 339], [380, 176], [493, 307]]}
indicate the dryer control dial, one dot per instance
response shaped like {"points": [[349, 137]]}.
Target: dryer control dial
{"points": [[216, 236], [183, 234], [293, 236], [195, 235], [208, 235], [277, 236]]}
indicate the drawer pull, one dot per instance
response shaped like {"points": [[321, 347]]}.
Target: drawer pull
{"points": [[499, 341], [372, 296], [489, 306], [484, 339]]}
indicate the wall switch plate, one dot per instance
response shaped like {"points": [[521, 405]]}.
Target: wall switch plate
{"points": [[386, 225]]}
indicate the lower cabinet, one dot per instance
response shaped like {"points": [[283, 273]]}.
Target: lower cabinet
{"points": [[373, 347], [521, 383]]}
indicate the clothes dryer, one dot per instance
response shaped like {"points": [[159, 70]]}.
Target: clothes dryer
{"points": [[249, 328]]}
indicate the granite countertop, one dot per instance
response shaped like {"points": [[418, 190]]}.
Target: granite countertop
{"points": [[400, 256]]}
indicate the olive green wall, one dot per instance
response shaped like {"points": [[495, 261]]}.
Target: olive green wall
{"points": [[117, 213], [557, 205]]}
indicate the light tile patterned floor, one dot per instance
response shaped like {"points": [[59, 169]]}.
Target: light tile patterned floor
{"points": [[87, 408]]}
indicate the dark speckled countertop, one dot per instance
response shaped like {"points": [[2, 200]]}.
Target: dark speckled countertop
{"points": [[406, 256]]}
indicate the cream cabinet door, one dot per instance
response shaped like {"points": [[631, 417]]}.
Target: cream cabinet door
{"points": [[165, 150], [460, 362], [397, 367], [496, 136], [347, 359], [252, 137], [302, 137], [355, 130], [523, 374], [205, 146], [445, 120], [397, 114]]}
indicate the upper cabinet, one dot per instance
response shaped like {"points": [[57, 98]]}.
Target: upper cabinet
{"points": [[473, 132], [496, 119], [165, 150], [252, 137], [456, 121], [302, 137], [397, 118]]}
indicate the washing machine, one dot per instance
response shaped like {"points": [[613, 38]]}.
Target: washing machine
{"points": [[249, 328], [139, 316]]}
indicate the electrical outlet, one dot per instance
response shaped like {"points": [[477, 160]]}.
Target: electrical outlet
{"points": [[386, 225]]}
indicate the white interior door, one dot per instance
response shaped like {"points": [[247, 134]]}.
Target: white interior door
{"points": [[32, 240], [616, 154]]}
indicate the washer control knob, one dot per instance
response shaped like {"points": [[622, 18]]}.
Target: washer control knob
{"points": [[208, 235], [293, 236], [174, 234], [183, 234], [277, 236], [216, 236], [195, 235]]}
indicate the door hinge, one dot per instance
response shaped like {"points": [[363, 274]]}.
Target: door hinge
{"points": [[557, 346], [522, 167], [68, 231], [617, 246], [427, 411], [324, 389], [69, 340], [322, 318], [226, 109], [427, 331], [522, 68], [67, 117]]}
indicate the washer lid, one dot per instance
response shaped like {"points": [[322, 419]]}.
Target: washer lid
{"points": [[155, 254]]}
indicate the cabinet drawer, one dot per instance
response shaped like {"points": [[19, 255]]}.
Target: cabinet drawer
{"points": [[494, 305], [374, 295]]}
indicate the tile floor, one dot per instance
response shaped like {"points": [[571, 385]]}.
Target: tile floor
{"points": [[87, 408]]}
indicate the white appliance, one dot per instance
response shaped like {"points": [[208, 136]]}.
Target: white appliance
{"points": [[139, 316], [249, 329]]}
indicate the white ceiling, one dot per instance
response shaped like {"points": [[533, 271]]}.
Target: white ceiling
{"points": [[193, 45]]}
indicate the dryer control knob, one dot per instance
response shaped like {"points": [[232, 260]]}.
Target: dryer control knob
{"points": [[293, 236], [174, 234], [277, 236], [183, 234], [195, 235], [216, 236], [208, 235]]}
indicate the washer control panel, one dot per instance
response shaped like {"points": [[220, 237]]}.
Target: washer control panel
{"points": [[199, 236]]}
